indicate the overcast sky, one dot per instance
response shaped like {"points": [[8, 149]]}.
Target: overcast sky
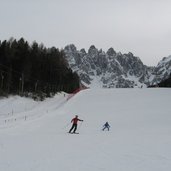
{"points": [[142, 27]]}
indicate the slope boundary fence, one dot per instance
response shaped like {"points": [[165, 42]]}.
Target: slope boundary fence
{"points": [[75, 92]]}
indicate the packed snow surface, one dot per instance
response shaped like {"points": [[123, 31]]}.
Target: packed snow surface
{"points": [[139, 138]]}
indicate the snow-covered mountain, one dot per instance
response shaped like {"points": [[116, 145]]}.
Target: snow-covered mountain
{"points": [[112, 69], [162, 71]]}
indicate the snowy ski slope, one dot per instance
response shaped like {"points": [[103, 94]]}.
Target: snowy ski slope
{"points": [[139, 139]]}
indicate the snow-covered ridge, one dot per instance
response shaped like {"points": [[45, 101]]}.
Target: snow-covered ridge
{"points": [[97, 68], [164, 60], [162, 70], [16, 109]]}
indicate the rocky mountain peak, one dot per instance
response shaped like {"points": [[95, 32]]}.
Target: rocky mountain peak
{"points": [[112, 69], [93, 51], [83, 51], [71, 48], [111, 52]]}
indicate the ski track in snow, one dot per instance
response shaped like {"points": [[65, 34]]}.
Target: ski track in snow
{"points": [[139, 138]]}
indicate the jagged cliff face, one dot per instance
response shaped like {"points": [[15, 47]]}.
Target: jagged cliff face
{"points": [[111, 69], [162, 71]]}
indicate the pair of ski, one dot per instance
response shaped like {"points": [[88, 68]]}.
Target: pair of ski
{"points": [[73, 133]]}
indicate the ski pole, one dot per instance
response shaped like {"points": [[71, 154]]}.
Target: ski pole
{"points": [[80, 126]]}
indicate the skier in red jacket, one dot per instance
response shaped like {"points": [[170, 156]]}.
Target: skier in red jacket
{"points": [[74, 125]]}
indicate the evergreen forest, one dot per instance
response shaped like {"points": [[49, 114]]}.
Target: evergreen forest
{"points": [[34, 70], [165, 83]]}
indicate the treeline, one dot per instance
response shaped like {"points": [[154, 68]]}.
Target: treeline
{"points": [[165, 83], [34, 69]]}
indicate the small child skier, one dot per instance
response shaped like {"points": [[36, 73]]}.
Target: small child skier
{"points": [[106, 125]]}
